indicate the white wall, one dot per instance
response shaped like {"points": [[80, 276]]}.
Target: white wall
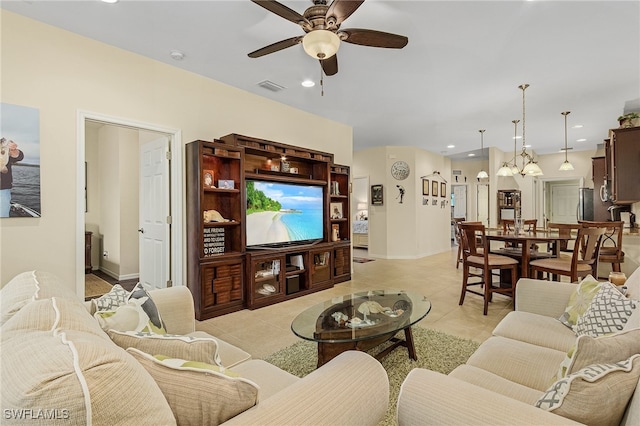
{"points": [[60, 74], [409, 230]]}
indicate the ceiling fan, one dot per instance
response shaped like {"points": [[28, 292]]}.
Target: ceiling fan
{"points": [[321, 23]]}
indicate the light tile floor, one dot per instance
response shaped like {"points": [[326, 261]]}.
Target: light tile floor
{"points": [[266, 330]]}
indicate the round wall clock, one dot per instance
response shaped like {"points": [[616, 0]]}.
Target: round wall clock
{"points": [[400, 170]]}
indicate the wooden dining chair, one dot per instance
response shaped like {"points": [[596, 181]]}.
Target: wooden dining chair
{"points": [[529, 225], [486, 262], [456, 234], [583, 260], [611, 246], [565, 231]]}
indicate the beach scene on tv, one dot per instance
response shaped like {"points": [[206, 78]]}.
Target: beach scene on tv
{"points": [[282, 213]]}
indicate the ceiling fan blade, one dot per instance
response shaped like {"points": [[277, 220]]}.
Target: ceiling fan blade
{"points": [[283, 11], [374, 38], [330, 65], [283, 44], [342, 9]]}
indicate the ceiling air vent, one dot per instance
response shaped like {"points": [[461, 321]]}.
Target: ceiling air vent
{"points": [[270, 85], [457, 172]]}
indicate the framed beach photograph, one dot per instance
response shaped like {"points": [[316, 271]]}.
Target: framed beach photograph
{"points": [[434, 188], [336, 211], [376, 195], [425, 186], [226, 184], [443, 189], [207, 179]]}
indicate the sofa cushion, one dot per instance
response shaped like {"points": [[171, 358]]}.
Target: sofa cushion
{"points": [[198, 349], [268, 377], [495, 383], [595, 395], [539, 330], [27, 287], [633, 285], [117, 296], [608, 312], [529, 365], [75, 376], [580, 300], [199, 394], [607, 349]]}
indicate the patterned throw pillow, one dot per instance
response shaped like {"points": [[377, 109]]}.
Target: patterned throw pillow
{"points": [[580, 300], [597, 394], [608, 313], [607, 349], [140, 294], [198, 393], [117, 296], [198, 349]]}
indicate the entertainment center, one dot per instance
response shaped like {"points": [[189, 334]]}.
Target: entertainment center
{"points": [[266, 222]]}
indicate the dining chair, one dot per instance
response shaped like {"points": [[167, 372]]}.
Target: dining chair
{"points": [[583, 260], [611, 246], [565, 231], [472, 236], [529, 225], [456, 234]]}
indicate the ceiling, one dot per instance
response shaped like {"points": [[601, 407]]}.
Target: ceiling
{"points": [[459, 73]]}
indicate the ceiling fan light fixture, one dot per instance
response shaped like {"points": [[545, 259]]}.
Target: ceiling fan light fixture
{"points": [[321, 44]]}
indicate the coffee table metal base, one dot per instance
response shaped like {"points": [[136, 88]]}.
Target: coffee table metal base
{"points": [[327, 351]]}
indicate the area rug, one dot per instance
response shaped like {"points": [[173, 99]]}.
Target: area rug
{"points": [[436, 351], [95, 286], [362, 260]]}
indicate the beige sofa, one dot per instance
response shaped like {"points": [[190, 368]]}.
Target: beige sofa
{"points": [[503, 379], [60, 367]]}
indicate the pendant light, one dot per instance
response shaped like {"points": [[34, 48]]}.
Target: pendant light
{"points": [[507, 168], [566, 166], [529, 166], [482, 174]]}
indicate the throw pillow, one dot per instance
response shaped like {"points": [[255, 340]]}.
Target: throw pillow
{"points": [[150, 308], [633, 285], [607, 349], [579, 300], [129, 317], [608, 312], [117, 296], [199, 394], [186, 347], [595, 395]]}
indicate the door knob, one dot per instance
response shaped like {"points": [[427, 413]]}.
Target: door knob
{"points": [[141, 230]]}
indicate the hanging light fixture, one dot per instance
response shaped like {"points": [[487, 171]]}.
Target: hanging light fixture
{"points": [[566, 166], [509, 169], [482, 174], [321, 44], [529, 165]]}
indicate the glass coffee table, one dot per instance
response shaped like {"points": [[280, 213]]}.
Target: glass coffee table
{"points": [[362, 321]]}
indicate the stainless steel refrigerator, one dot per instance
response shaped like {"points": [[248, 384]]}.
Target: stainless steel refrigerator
{"points": [[585, 204]]}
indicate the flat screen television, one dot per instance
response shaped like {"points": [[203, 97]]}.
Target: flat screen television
{"points": [[281, 214]]}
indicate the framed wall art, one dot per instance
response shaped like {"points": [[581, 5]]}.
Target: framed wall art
{"points": [[443, 189], [336, 211], [207, 179], [434, 188], [425, 186], [376, 195]]}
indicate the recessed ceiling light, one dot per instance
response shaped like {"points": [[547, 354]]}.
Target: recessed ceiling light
{"points": [[451, 146], [581, 140], [308, 83], [472, 155], [109, 1], [176, 55], [577, 126]]}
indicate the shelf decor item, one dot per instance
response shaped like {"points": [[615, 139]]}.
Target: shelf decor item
{"points": [[207, 179], [336, 211], [376, 195], [226, 184]]}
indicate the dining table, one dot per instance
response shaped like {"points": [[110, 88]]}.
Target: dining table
{"points": [[522, 242]]}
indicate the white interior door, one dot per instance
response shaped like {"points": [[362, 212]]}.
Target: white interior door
{"points": [[564, 203], [155, 225], [483, 204], [459, 201]]}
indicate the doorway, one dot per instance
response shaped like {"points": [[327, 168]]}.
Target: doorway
{"points": [[561, 199], [483, 203], [173, 255]]}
